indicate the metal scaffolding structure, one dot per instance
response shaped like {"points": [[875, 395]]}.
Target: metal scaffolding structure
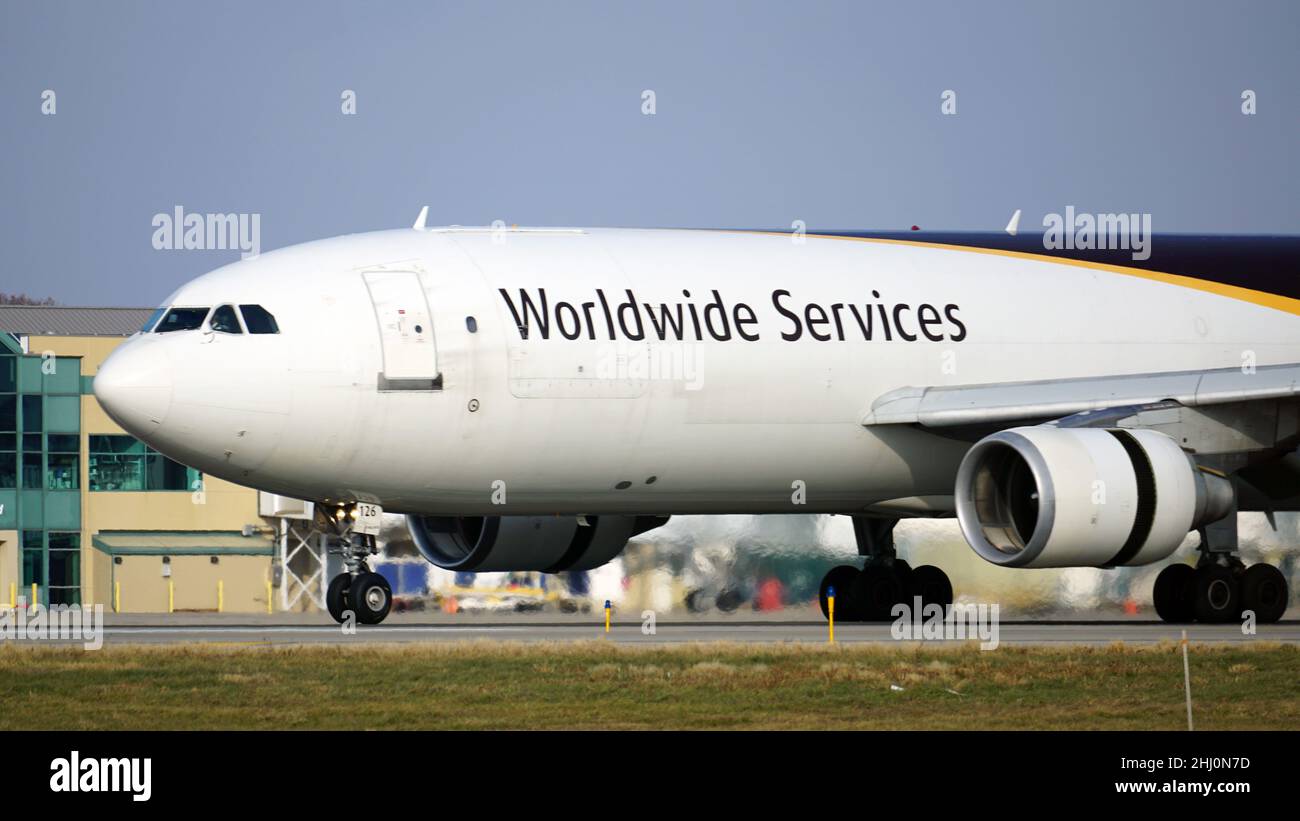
{"points": [[302, 570]]}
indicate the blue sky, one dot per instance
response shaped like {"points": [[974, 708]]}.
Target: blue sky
{"points": [[530, 113]]}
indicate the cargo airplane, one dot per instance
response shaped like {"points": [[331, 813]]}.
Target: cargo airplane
{"points": [[531, 399]]}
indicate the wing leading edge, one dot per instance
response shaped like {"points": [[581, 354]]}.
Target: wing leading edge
{"points": [[1011, 402]]}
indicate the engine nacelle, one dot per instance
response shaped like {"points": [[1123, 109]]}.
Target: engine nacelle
{"points": [[1044, 496], [549, 544]]}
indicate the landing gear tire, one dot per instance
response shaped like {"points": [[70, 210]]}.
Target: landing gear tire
{"points": [[841, 578], [1218, 594], [904, 572], [370, 597], [1264, 590], [336, 597], [932, 585], [1175, 594], [876, 591]]}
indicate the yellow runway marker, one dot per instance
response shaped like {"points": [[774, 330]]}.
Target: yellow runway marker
{"points": [[830, 610], [117, 597], [1187, 682], [606, 615]]}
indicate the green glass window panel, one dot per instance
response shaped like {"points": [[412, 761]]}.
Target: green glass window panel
{"points": [[30, 378], [32, 416], [31, 471], [65, 595], [63, 540], [124, 463], [8, 441], [164, 474], [8, 374], [8, 412], [63, 442], [32, 442], [116, 472], [33, 540], [66, 376], [64, 561], [65, 568], [115, 444], [8, 470], [33, 568], [63, 471], [63, 413]]}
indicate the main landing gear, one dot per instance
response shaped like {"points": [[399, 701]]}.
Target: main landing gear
{"points": [[358, 590], [1221, 588], [885, 580]]}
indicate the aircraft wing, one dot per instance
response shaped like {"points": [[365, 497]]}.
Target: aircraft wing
{"points": [[1007, 403]]}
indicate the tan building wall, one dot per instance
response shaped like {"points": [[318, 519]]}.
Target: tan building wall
{"points": [[96, 575], [9, 576], [143, 588], [93, 350]]}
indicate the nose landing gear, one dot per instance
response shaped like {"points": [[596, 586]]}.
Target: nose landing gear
{"points": [[357, 590], [367, 595], [870, 594], [370, 597]]}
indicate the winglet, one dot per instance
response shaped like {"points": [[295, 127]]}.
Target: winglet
{"points": [[419, 221], [1014, 225]]}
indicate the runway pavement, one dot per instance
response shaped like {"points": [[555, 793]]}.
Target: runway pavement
{"points": [[292, 629]]}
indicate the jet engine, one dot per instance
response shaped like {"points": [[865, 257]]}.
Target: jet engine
{"points": [[549, 544], [1044, 496]]}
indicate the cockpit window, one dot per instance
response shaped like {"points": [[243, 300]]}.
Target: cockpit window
{"points": [[224, 320], [153, 320], [258, 320], [181, 319]]}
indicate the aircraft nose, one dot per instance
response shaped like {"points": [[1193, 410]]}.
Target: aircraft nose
{"points": [[134, 386]]}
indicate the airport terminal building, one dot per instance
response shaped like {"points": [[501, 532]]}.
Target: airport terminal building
{"points": [[91, 515]]}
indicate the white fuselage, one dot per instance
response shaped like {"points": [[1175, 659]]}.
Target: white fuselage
{"points": [[764, 424]]}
